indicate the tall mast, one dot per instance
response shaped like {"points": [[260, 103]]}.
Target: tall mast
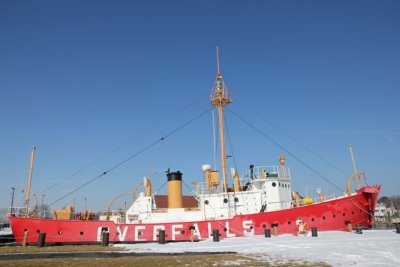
{"points": [[28, 190], [219, 98], [354, 165]]}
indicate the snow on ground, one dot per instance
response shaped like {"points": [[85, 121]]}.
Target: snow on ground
{"points": [[372, 248]]}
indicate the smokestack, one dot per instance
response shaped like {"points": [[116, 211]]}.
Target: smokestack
{"points": [[175, 190]]}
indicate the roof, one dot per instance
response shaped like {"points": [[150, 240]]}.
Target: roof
{"points": [[188, 201]]}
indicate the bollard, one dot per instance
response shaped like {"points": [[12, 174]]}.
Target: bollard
{"points": [[25, 239], [350, 227], [398, 228], [105, 241], [358, 229], [314, 232], [161, 237], [275, 226], [215, 235], [191, 228], [41, 240], [267, 232]]}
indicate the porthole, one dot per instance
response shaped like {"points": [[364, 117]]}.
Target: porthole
{"points": [[59, 232], [334, 216], [206, 202], [38, 231], [236, 199], [289, 222], [352, 212], [183, 232], [225, 200], [323, 218], [344, 214], [225, 229], [312, 219], [251, 227], [279, 184], [81, 233], [264, 226], [273, 184]]}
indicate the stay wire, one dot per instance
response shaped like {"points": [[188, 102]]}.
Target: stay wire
{"points": [[230, 143], [292, 138], [118, 147], [132, 156], [284, 149]]}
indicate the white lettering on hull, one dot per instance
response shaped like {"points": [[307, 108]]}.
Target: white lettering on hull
{"points": [[174, 232], [137, 230], [248, 228], [209, 230], [196, 231], [121, 235], [228, 233], [99, 232], [156, 229]]}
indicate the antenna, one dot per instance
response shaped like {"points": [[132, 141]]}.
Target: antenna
{"points": [[218, 69]]}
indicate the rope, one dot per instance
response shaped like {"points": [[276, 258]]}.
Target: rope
{"points": [[292, 138], [284, 149], [132, 156], [230, 143], [118, 147]]}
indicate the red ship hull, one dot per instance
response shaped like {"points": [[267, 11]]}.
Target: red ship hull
{"points": [[328, 215]]}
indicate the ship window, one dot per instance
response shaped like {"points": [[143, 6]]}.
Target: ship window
{"points": [[236, 199], [38, 231], [273, 184], [323, 217], [225, 229], [279, 184], [360, 210], [206, 202], [289, 222], [225, 200], [264, 226], [334, 216], [81, 233], [251, 227], [312, 219], [344, 214], [183, 232], [352, 212], [59, 232]]}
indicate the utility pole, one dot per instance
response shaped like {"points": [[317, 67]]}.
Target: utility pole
{"points": [[42, 198], [12, 199], [85, 204]]}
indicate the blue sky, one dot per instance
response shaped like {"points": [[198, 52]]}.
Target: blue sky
{"points": [[93, 82]]}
